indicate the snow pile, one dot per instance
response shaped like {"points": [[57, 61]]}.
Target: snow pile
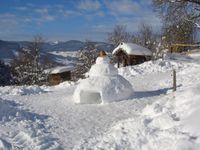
{"points": [[104, 85], [132, 49], [187, 107], [151, 67], [23, 90], [64, 85]]}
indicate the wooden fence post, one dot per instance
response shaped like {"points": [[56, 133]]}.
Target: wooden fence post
{"points": [[174, 80]]}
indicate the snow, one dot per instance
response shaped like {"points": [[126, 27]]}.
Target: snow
{"points": [[59, 69], [132, 49], [103, 68], [171, 120], [104, 85], [154, 118], [22, 90]]}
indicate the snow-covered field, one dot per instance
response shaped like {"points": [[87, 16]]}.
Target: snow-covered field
{"points": [[154, 118], [64, 57]]}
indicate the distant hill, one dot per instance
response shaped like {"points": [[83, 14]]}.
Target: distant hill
{"points": [[8, 49]]}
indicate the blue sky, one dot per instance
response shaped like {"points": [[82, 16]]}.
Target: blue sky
{"points": [[72, 19]]}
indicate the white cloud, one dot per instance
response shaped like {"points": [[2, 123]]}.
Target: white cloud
{"points": [[8, 21], [70, 13], [102, 28], [132, 13], [22, 8], [122, 7], [49, 18], [41, 10], [133, 23], [89, 5]]}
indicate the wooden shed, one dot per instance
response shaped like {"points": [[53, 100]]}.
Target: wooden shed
{"points": [[131, 54], [59, 74]]}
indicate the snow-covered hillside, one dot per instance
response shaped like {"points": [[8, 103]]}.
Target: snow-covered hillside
{"points": [[155, 117], [59, 52]]}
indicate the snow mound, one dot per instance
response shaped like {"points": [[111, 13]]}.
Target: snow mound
{"points": [[105, 89], [23, 90], [104, 85], [64, 84], [150, 67]]}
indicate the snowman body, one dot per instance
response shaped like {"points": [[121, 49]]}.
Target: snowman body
{"points": [[104, 85]]}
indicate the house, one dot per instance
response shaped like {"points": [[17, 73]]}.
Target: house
{"points": [[59, 74], [131, 54]]}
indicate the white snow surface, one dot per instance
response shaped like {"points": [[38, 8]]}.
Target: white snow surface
{"points": [[154, 118], [107, 88], [132, 49]]}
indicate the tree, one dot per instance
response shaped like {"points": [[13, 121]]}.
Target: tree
{"points": [[5, 74], [179, 32], [86, 58], [26, 66], [176, 10], [118, 35], [145, 36]]}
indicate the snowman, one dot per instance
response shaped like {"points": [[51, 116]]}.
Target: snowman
{"points": [[104, 84]]}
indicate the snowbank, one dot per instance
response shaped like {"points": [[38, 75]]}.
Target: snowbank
{"points": [[23, 90], [151, 67]]}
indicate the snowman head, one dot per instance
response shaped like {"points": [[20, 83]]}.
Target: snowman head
{"points": [[102, 54]]}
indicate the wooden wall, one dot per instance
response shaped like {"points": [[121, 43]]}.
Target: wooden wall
{"points": [[55, 79], [125, 59]]}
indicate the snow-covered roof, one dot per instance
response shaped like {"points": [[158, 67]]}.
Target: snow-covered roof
{"points": [[132, 49], [60, 69]]}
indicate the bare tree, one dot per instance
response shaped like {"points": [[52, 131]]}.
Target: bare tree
{"points": [[118, 35], [175, 10], [86, 58], [146, 36], [179, 32]]}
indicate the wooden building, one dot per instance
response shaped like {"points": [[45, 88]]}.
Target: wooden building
{"points": [[131, 54], [184, 48], [58, 74]]}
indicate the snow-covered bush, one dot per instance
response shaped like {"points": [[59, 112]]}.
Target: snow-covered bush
{"points": [[27, 66]]}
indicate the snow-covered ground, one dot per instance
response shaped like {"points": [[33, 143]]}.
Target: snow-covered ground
{"points": [[155, 117]]}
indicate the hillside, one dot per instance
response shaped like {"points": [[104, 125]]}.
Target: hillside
{"points": [[9, 49]]}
